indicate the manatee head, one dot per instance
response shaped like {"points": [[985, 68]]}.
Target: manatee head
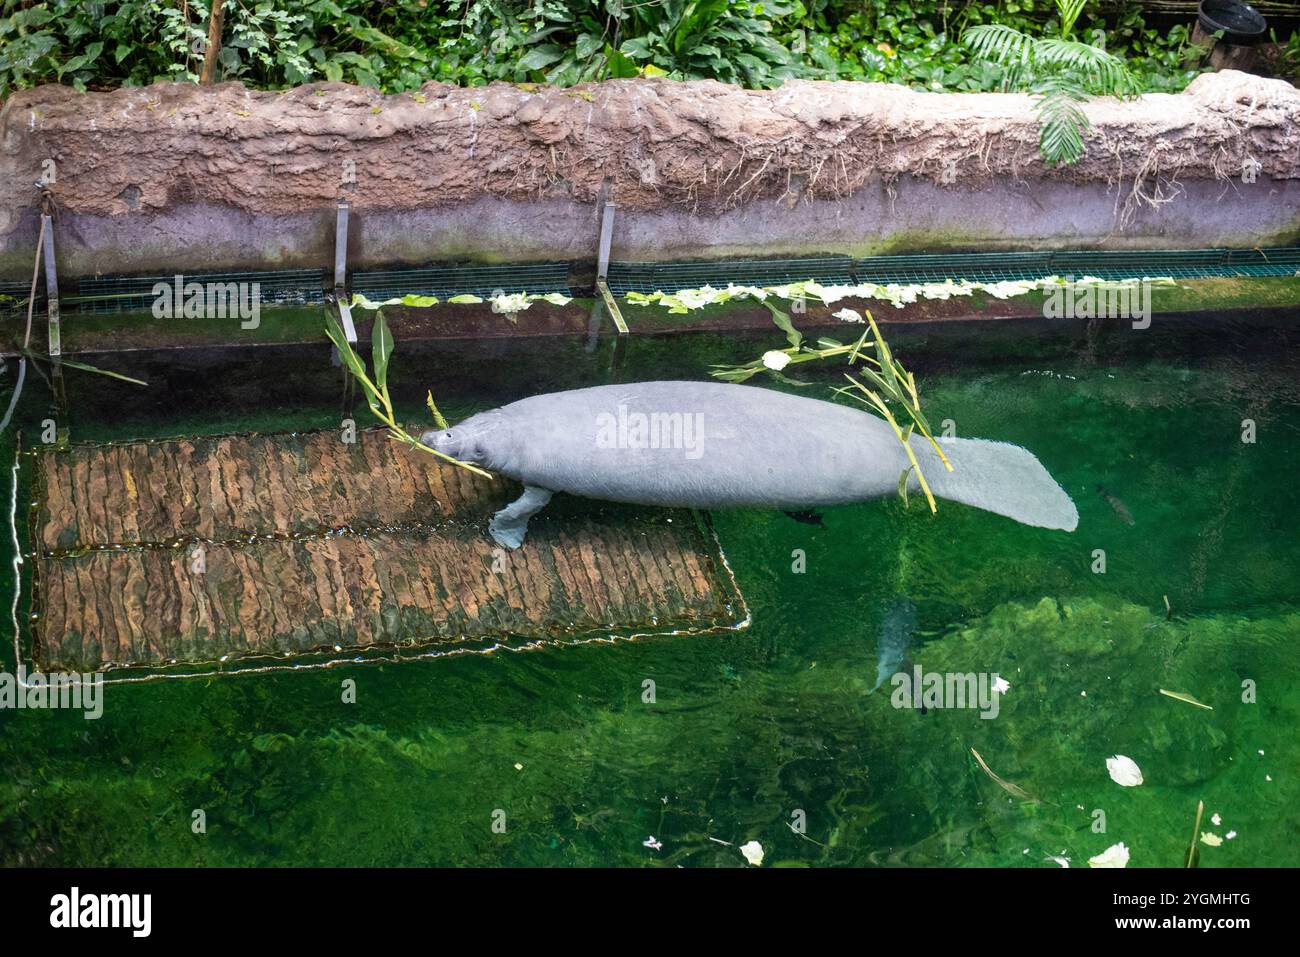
{"points": [[465, 441]]}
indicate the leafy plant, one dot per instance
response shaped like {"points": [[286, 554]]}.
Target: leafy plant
{"points": [[400, 46], [694, 39], [376, 390], [78, 42], [1287, 64], [1061, 70]]}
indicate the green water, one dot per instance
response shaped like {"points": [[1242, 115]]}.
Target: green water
{"points": [[753, 732]]}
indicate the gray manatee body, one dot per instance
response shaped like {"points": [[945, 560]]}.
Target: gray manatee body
{"points": [[715, 445]]}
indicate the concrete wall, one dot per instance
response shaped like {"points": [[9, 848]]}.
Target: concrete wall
{"points": [[176, 178]]}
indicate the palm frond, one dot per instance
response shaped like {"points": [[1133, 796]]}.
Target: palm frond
{"points": [[1018, 76], [1059, 84], [1061, 71], [1104, 73], [1002, 44], [1062, 124], [1069, 11]]}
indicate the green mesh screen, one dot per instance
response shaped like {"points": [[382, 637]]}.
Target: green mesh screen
{"points": [[106, 294], [445, 281], [285, 287]]}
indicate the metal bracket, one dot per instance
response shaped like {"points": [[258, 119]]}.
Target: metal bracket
{"points": [[341, 272], [606, 240], [51, 287], [602, 267], [612, 305]]}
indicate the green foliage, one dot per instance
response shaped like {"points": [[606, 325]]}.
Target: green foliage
{"points": [[1288, 60], [1061, 71], [575, 42], [77, 42], [910, 42], [376, 390], [696, 39], [400, 45]]}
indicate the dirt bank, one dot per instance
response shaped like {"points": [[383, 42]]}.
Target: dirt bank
{"points": [[476, 167]]}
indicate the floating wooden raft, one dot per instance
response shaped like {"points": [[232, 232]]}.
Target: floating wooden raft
{"points": [[241, 550]]}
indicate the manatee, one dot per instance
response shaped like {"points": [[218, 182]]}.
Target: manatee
{"points": [[715, 445]]}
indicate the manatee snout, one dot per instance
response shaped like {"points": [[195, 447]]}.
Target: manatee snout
{"points": [[446, 441], [464, 442]]}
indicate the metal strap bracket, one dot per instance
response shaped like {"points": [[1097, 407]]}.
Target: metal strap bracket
{"points": [[341, 272], [602, 267], [51, 287]]}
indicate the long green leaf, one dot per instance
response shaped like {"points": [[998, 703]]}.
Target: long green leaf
{"points": [[84, 367], [438, 419], [1069, 11], [381, 349], [1192, 857], [352, 361], [112, 375], [782, 320], [884, 357]]}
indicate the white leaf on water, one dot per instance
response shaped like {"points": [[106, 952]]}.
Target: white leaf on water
{"points": [[776, 360], [1124, 771], [1114, 856], [753, 852]]}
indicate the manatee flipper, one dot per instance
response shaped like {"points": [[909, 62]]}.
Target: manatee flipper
{"points": [[510, 525], [997, 477]]}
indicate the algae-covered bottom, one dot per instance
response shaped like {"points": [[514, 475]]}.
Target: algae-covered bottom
{"points": [[584, 753]]}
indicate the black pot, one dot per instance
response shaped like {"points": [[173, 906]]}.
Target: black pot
{"points": [[1241, 23]]}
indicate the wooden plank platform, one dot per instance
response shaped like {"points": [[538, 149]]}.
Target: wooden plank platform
{"points": [[237, 550]]}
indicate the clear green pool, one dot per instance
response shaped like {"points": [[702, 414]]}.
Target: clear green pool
{"points": [[750, 729]]}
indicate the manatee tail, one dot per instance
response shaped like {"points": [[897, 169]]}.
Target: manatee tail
{"points": [[997, 477]]}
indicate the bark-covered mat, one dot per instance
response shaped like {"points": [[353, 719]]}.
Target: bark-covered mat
{"points": [[242, 552]]}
